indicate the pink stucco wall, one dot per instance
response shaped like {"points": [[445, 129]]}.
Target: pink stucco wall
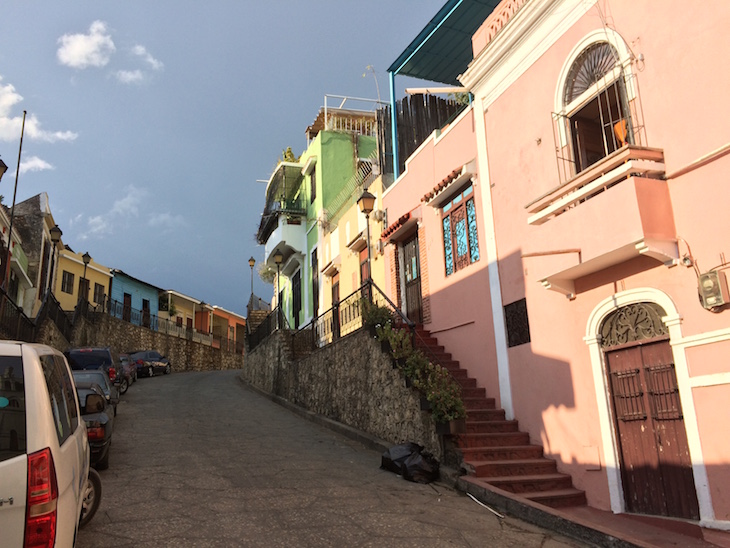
{"points": [[460, 303], [682, 92]]}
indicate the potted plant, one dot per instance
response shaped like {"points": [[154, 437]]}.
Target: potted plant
{"points": [[444, 395]]}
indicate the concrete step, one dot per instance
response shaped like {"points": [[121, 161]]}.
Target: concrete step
{"points": [[558, 498], [479, 403], [478, 415], [490, 469], [492, 440], [473, 392], [463, 380], [533, 483], [501, 453], [486, 427]]}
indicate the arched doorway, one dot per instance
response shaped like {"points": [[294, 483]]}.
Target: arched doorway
{"points": [[655, 466]]}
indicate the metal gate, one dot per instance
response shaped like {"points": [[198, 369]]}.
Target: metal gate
{"points": [[656, 470], [412, 268]]}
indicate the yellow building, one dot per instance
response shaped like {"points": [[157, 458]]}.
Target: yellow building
{"points": [[343, 250], [75, 279]]}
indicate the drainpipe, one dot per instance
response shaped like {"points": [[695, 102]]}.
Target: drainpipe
{"points": [[393, 126]]}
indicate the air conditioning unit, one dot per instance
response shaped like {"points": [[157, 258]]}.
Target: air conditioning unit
{"points": [[713, 289]]}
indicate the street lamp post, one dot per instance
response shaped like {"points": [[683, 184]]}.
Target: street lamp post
{"points": [[278, 258], [87, 259], [366, 201], [56, 234], [251, 263]]}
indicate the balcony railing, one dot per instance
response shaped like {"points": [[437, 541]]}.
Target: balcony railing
{"points": [[626, 162]]}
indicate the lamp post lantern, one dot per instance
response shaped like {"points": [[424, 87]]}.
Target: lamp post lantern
{"points": [[3, 168], [87, 259], [251, 263], [366, 201], [56, 234]]}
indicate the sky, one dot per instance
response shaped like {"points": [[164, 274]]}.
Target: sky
{"points": [[149, 123]]}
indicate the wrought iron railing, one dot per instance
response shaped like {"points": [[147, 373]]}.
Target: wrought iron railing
{"points": [[14, 324], [51, 309], [274, 321]]}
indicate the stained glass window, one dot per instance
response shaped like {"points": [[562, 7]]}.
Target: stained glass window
{"points": [[471, 217], [447, 247], [461, 241]]}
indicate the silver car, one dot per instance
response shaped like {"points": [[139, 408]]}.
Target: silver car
{"points": [[46, 487]]}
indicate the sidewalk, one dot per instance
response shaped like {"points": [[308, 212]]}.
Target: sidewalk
{"points": [[595, 527], [599, 527]]}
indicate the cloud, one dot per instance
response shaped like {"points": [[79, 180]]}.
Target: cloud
{"points": [[97, 226], [82, 51], [166, 221], [33, 163], [11, 126], [122, 209], [129, 76], [142, 52], [129, 204]]}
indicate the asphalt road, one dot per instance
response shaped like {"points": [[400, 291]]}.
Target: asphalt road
{"points": [[198, 459]]}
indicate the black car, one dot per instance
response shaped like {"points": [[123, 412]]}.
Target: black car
{"points": [[99, 417], [97, 376], [150, 363], [96, 358]]}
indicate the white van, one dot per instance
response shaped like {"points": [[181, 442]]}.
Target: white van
{"points": [[46, 488]]}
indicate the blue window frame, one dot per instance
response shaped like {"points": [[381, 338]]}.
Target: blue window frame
{"points": [[461, 240]]}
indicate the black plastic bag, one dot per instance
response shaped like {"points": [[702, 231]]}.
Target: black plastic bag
{"points": [[393, 459], [421, 467]]}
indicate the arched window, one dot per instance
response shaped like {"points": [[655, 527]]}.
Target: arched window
{"points": [[594, 103]]}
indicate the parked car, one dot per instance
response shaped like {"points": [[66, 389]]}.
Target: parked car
{"points": [[96, 358], [99, 417], [129, 367], [102, 379], [150, 363], [46, 486]]}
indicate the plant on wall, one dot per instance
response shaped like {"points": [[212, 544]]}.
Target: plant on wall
{"points": [[431, 379], [374, 315]]}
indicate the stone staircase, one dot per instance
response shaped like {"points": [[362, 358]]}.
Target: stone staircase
{"points": [[494, 451]]}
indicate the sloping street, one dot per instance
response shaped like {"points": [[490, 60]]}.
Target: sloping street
{"points": [[198, 459]]}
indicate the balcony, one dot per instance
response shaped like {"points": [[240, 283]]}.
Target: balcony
{"points": [[289, 236], [283, 222], [615, 211]]}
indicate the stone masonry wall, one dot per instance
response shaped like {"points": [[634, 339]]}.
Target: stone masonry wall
{"points": [[121, 336], [351, 381]]}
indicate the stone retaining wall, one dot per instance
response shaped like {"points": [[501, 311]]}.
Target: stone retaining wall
{"points": [[122, 337], [351, 381]]}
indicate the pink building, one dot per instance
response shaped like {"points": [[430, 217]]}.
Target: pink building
{"points": [[594, 306]]}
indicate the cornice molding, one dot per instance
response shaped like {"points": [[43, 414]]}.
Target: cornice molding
{"points": [[530, 32]]}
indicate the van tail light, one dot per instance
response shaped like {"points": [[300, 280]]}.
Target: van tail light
{"points": [[112, 374], [140, 362], [96, 433], [40, 517]]}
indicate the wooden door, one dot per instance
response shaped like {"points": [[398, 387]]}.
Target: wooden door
{"points": [[127, 310], [412, 269], [656, 470]]}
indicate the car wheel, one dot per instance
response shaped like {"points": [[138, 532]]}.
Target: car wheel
{"points": [[167, 369], [151, 371], [92, 497], [123, 385]]}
